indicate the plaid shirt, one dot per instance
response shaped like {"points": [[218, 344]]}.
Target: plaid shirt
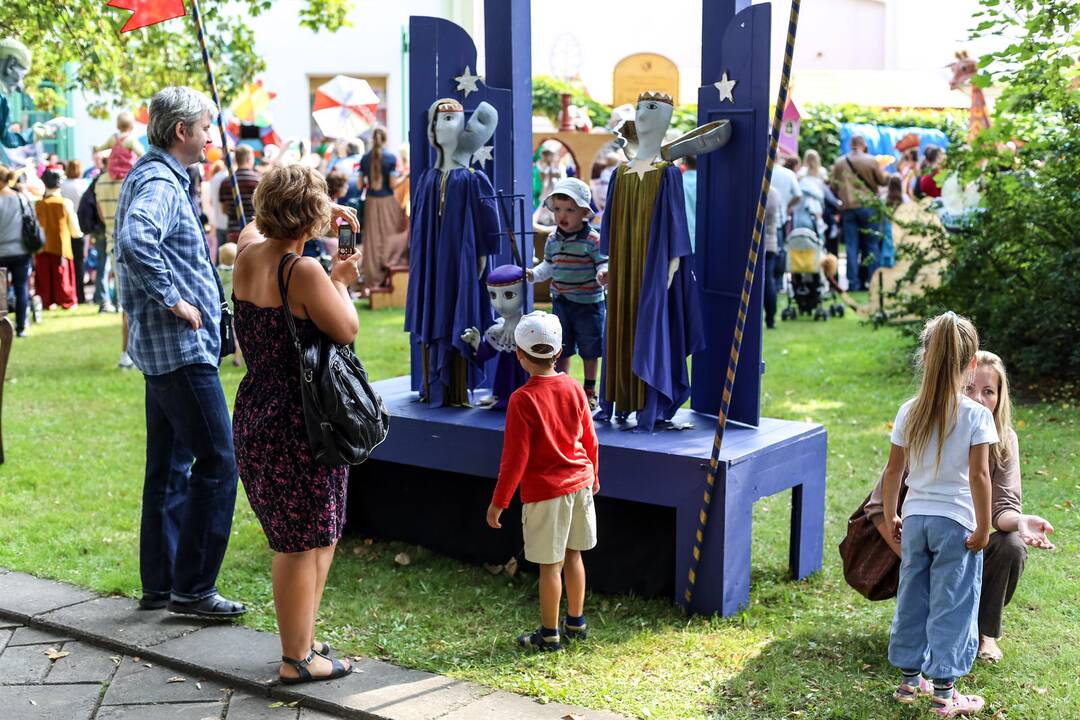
{"points": [[163, 255]]}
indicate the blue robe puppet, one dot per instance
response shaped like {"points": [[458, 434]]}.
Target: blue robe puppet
{"points": [[506, 290], [455, 227], [652, 326]]}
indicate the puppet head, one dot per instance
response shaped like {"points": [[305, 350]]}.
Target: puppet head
{"points": [[14, 64], [446, 121], [654, 110], [506, 287]]}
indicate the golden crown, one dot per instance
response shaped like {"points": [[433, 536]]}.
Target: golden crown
{"points": [[448, 105], [656, 97]]}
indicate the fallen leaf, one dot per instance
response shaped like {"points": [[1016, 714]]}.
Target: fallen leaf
{"points": [[54, 654], [1019, 424], [32, 702], [511, 567], [402, 559], [176, 679], [368, 541], [493, 568], [276, 705], [149, 665], [116, 659], [1041, 691], [136, 658], [198, 686], [362, 550]]}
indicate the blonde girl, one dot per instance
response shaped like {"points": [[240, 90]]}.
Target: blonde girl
{"points": [[944, 439]]}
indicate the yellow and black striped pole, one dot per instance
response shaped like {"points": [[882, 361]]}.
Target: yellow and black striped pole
{"points": [[196, 15], [744, 305]]}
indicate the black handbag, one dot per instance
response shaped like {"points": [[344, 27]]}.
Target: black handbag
{"points": [[344, 417], [33, 236]]}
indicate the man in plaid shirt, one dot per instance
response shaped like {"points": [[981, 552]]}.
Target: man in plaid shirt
{"points": [[170, 291]]}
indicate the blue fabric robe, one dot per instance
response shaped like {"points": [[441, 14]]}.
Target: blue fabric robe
{"points": [[446, 294], [669, 327]]}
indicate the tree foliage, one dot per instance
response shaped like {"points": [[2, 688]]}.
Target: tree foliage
{"points": [[547, 100], [819, 127], [1013, 268], [124, 70]]}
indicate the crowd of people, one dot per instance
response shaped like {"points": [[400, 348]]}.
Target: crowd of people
{"points": [[75, 209]]}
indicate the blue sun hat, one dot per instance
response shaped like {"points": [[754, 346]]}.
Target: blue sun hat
{"points": [[574, 189]]}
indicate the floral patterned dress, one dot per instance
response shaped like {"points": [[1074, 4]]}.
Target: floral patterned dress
{"points": [[300, 503]]}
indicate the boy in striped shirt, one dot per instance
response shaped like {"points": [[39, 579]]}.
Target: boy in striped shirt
{"points": [[578, 273]]}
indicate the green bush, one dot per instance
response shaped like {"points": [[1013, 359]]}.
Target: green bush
{"points": [[547, 100], [1015, 267], [820, 124]]}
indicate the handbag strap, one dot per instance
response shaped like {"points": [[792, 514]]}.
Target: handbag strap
{"points": [[283, 288], [864, 181]]}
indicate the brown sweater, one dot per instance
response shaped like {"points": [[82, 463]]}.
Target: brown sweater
{"points": [[1004, 486], [853, 188]]}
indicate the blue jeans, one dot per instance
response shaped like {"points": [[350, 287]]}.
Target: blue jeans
{"points": [[189, 490], [770, 288], [936, 628], [19, 265], [862, 240]]}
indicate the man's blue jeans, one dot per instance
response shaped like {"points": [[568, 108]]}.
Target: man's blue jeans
{"points": [[862, 241], [190, 486]]}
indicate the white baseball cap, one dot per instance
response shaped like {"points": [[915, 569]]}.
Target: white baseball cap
{"points": [[574, 189], [539, 328]]}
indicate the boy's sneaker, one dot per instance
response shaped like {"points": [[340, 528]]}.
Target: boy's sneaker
{"points": [[575, 633], [538, 641], [957, 705], [909, 694]]}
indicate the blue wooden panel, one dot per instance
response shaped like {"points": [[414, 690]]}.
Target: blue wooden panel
{"points": [[439, 50], [729, 183]]}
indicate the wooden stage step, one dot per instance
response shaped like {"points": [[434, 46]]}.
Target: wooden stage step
{"points": [[394, 295]]}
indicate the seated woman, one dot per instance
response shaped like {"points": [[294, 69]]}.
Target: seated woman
{"points": [[300, 503], [1003, 559]]}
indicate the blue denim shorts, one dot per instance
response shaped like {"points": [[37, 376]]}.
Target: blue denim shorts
{"points": [[582, 327]]}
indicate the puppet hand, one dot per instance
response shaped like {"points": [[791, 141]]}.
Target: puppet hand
{"points": [[673, 265], [493, 514], [472, 337], [1033, 531], [42, 131], [530, 276]]}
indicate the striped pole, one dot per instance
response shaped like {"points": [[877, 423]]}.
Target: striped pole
{"points": [[744, 305], [196, 15]]}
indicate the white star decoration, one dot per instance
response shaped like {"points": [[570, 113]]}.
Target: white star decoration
{"points": [[640, 166], [725, 88], [466, 81], [481, 156]]}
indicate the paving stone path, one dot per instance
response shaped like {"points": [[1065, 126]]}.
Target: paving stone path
{"points": [[67, 654]]}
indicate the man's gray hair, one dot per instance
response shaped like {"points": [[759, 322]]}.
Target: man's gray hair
{"points": [[175, 105]]}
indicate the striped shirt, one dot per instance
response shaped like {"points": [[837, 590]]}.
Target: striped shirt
{"points": [[572, 263], [164, 258]]}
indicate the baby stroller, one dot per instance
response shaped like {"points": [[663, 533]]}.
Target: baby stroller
{"points": [[806, 283]]}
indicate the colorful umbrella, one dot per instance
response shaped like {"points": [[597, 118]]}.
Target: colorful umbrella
{"points": [[252, 106], [344, 107]]}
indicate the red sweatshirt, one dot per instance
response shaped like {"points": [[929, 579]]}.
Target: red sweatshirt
{"points": [[549, 447]]}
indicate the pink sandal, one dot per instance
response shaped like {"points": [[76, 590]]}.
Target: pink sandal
{"points": [[956, 705], [909, 694]]}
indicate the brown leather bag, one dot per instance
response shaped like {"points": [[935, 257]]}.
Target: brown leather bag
{"points": [[870, 565]]}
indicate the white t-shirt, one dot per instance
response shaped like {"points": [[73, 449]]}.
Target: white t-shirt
{"points": [[944, 490], [220, 217], [787, 184]]}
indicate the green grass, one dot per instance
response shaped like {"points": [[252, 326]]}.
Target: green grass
{"points": [[69, 509]]}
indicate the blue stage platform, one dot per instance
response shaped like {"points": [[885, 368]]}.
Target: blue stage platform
{"points": [[664, 470]]}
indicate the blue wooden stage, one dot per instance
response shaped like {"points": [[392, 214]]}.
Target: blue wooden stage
{"points": [[663, 470]]}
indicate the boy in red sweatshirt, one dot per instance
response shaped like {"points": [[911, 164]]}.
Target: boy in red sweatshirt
{"points": [[550, 449]]}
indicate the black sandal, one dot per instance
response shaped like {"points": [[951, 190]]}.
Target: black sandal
{"points": [[339, 670], [322, 648]]}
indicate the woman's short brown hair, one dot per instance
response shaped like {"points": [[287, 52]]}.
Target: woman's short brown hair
{"points": [[74, 169], [291, 202]]}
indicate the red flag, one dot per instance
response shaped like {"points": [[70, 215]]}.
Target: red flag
{"points": [[148, 12]]}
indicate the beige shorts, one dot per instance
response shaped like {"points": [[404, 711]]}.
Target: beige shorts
{"points": [[551, 527]]}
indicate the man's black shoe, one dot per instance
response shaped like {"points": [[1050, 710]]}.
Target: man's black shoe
{"points": [[213, 607]]}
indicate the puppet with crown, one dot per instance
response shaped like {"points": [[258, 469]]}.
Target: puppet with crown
{"points": [[653, 317], [455, 226]]}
